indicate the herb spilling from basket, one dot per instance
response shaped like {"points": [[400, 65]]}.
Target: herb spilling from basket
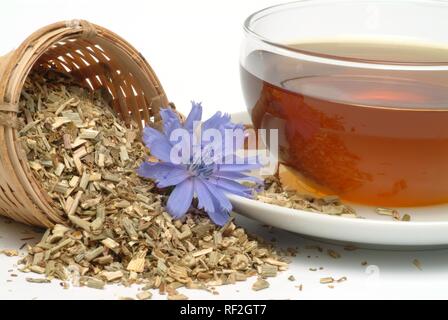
{"points": [[122, 228], [118, 229]]}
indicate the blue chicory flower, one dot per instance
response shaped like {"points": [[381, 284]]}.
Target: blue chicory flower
{"points": [[208, 177]]}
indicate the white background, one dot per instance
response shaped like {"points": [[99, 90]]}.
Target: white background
{"points": [[192, 45], [194, 48]]}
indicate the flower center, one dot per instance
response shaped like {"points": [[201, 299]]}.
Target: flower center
{"points": [[203, 165], [201, 169]]}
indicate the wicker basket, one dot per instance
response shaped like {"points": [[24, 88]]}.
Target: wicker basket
{"points": [[90, 53]]}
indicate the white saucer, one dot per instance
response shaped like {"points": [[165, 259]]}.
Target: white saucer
{"points": [[428, 227]]}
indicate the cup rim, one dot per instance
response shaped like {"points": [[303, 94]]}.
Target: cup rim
{"points": [[338, 59]]}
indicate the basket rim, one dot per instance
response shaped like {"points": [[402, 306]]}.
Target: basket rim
{"points": [[15, 68]]}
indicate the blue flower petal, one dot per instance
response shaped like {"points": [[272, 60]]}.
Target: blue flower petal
{"points": [[180, 199], [175, 177], [205, 199], [195, 115], [222, 202], [237, 176], [234, 126], [158, 144], [221, 205], [151, 136], [238, 167], [236, 142], [170, 120], [231, 186], [161, 151], [217, 121], [156, 170], [221, 215]]}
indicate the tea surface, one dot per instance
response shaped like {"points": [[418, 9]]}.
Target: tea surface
{"points": [[368, 135]]}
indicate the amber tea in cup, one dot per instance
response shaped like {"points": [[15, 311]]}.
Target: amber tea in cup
{"points": [[361, 106]]}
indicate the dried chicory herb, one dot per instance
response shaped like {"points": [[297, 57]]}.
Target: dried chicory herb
{"points": [[117, 229], [278, 194], [260, 284], [9, 252]]}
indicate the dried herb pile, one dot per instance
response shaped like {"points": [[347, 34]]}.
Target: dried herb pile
{"points": [[117, 230], [276, 193]]}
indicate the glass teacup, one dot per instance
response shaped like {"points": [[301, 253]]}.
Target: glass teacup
{"points": [[359, 93]]}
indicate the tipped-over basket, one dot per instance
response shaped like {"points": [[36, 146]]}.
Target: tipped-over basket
{"points": [[95, 56]]}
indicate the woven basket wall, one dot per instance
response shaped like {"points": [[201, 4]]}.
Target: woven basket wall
{"points": [[95, 56]]}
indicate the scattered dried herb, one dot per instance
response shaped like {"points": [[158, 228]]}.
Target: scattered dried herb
{"points": [[145, 295], [393, 213], [177, 297], [276, 194], [9, 252], [34, 280], [260, 284], [326, 280], [406, 218], [417, 264], [334, 254], [94, 283]]}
